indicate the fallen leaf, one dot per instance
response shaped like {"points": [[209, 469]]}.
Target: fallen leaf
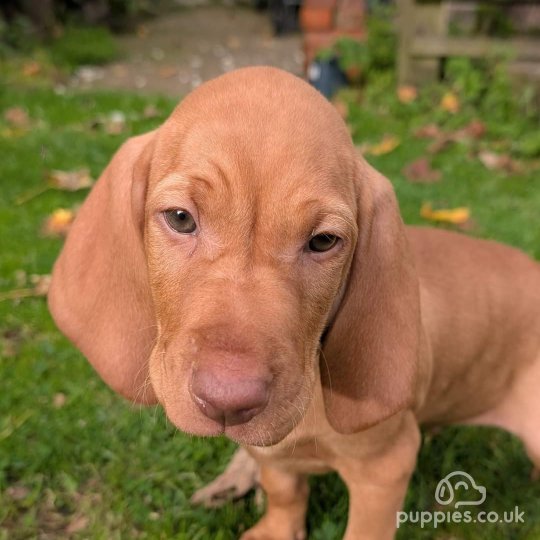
{"points": [[387, 145], [489, 159], [456, 216], [30, 69], [59, 400], [440, 143], [150, 111], [63, 180], [450, 103], [501, 162], [17, 117], [115, 123], [407, 94], [475, 129], [70, 180], [420, 172], [431, 131], [77, 524], [17, 492], [58, 223]]}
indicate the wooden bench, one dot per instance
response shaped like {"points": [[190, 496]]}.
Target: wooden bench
{"points": [[424, 40]]}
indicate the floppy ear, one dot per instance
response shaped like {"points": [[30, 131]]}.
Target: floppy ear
{"points": [[371, 349], [99, 295]]}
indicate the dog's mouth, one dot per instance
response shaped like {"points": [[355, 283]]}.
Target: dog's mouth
{"points": [[265, 429], [249, 404], [282, 413]]}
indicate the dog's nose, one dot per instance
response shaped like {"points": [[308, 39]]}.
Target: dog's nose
{"points": [[229, 400]]}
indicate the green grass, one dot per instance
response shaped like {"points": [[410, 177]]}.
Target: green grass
{"points": [[84, 45], [126, 470]]}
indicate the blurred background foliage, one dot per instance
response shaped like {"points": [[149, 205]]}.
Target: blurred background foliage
{"points": [[76, 461]]}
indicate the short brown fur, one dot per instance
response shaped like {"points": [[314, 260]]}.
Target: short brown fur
{"points": [[420, 325]]}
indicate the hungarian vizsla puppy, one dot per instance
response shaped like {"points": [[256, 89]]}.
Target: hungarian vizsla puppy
{"points": [[243, 267]]}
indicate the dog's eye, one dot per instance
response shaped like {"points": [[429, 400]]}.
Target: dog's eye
{"points": [[322, 242], [180, 220]]}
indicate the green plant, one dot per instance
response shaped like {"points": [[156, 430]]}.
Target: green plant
{"points": [[353, 57], [79, 45], [381, 38], [359, 58]]}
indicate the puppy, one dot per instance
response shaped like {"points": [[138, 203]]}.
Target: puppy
{"points": [[242, 266]]}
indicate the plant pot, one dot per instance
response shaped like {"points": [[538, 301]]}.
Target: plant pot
{"points": [[326, 76]]}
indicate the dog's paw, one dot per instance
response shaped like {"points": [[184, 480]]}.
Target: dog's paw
{"points": [[240, 476]]}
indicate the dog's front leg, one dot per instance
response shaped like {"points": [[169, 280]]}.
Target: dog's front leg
{"points": [[377, 484], [286, 504]]}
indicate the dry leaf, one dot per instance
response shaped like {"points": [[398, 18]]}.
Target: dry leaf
{"points": [[501, 162], [150, 111], [440, 143], [70, 180], [420, 171], [387, 145], [456, 216], [450, 103], [475, 129], [431, 131], [407, 94], [30, 69], [115, 123], [58, 223], [17, 492], [17, 117], [77, 524], [64, 180], [59, 400]]}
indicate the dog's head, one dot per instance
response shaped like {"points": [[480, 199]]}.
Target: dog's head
{"points": [[215, 253]]}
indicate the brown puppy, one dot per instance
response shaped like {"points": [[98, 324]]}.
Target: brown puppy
{"points": [[216, 252]]}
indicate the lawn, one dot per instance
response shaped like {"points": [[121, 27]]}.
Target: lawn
{"points": [[77, 461]]}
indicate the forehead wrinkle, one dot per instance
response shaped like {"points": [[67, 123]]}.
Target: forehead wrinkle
{"points": [[180, 184], [174, 182]]}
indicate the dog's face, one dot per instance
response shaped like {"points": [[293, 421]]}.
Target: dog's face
{"points": [[213, 253], [250, 228]]}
